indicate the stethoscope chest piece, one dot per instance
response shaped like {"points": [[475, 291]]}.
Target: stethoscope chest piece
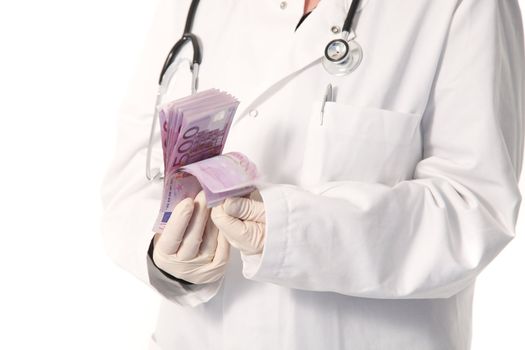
{"points": [[342, 57]]}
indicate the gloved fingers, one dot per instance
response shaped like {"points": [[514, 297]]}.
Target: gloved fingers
{"points": [[244, 209], [204, 274], [222, 253], [240, 234], [230, 226], [197, 270], [206, 267], [247, 236], [173, 233], [191, 242], [209, 239], [254, 241], [255, 195]]}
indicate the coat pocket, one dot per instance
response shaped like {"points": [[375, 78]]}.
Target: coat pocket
{"points": [[359, 143]]}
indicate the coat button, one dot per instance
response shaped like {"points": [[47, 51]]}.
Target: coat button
{"points": [[283, 5], [253, 113], [335, 29]]}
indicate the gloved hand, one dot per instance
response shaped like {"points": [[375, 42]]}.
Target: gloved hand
{"points": [[242, 221], [191, 247]]}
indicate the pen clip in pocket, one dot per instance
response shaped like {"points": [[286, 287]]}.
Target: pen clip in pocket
{"points": [[329, 96]]}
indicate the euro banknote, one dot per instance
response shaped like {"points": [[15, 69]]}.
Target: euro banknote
{"points": [[193, 131], [228, 175]]}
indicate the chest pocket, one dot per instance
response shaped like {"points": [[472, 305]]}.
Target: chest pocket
{"points": [[359, 143]]}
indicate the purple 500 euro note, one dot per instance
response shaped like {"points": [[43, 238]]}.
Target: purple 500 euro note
{"points": [[227, 175], [194, 129]]}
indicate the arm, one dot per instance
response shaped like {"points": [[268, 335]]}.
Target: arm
{"points": [[430, 236], [130, 202]]}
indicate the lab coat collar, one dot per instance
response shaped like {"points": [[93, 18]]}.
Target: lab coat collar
{"points": [[347, 3], [302, 49]]}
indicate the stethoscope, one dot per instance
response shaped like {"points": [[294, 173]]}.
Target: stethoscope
{"points": [[341, 56]]}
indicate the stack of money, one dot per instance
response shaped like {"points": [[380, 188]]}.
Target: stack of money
{"points": [[193, 132]]}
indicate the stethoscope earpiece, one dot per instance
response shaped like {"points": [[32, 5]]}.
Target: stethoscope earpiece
{"points": [[342, 57]]}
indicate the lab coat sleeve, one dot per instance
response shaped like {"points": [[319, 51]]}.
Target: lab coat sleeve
{"points": [[428, 236], [130, 202]]}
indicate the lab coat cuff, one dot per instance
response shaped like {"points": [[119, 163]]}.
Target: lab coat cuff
{"points": [[268, 265]]}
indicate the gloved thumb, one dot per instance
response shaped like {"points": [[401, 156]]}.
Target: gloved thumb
{"points": [[244, 209]]}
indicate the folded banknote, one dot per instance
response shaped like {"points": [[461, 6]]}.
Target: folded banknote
{"points": [[193, 132], [228, 175]]}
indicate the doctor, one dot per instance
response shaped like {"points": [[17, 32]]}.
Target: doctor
{"points": [[383, 204]]}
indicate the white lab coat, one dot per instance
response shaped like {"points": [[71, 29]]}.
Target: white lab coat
{"points": [[379, 220]]}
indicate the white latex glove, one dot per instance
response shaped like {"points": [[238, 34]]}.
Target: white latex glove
{"points": [[191, 247], [242, 221]]}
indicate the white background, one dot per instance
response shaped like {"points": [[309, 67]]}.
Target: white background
{"points": [[64, 67]]}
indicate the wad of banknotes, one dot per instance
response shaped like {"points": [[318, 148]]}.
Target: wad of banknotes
{"points": [[193, 132]]}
